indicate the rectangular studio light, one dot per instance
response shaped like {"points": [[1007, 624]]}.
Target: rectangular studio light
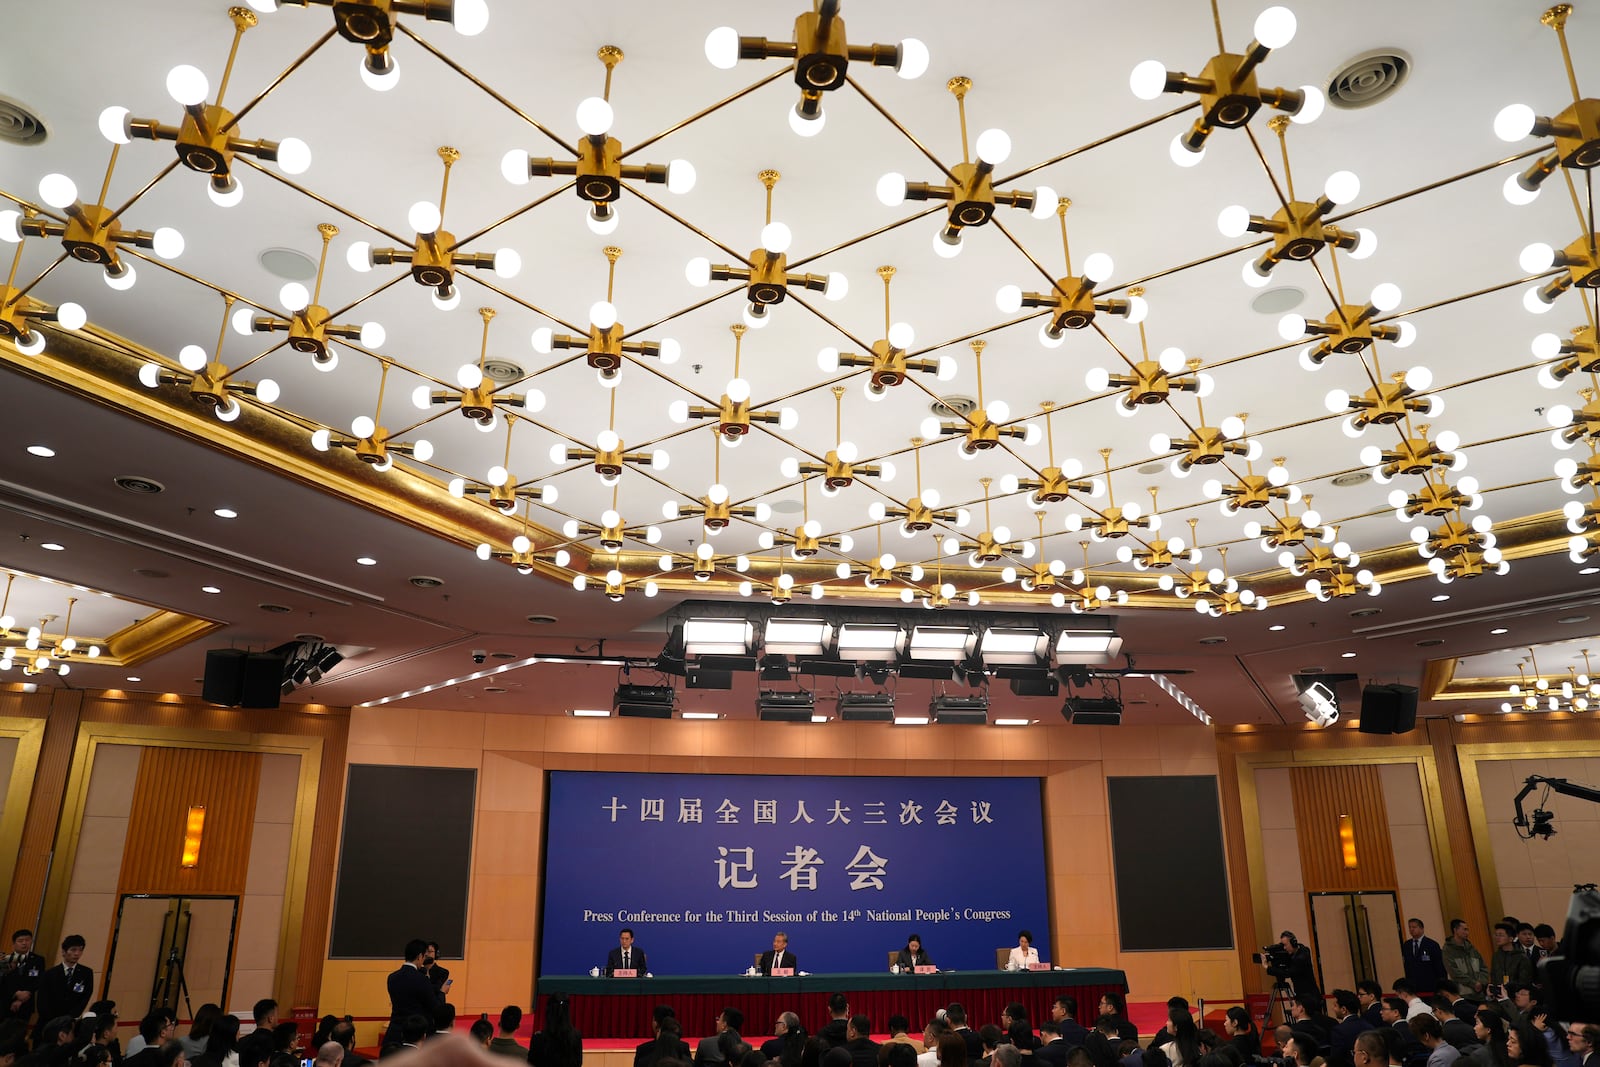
{"points": [[869, 641], [1088, 640], [717, 637], [777, 705], [796, 637], [947, 644], [193, 827], [644, 701], [699, 715], [866, 707], [959, 710], [1013, 645]]}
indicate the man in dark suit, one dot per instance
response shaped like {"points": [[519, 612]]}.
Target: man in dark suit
{"points": [[858, 1042], [787, 1023], [625, 956], [345, 1034], [1424, 960], [779, 956], [410, 992], [1348, 1025], [668, 1042], [65, 990], [956, 1016], [20, 971], [1053, 1051], [437, 973], [1064, 1013]]}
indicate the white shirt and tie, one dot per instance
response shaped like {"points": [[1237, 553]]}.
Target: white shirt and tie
{"points": [[627, 958], [777, 958]]}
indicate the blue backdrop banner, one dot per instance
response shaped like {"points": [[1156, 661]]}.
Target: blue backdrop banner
{"points": [[706, 868]]}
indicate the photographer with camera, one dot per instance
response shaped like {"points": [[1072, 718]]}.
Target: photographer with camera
{"points": [[1290, 962]]}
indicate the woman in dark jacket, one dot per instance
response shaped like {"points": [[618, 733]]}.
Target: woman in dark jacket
{"points": [[222, 1044], [559, 1044], [1242, 1033]]}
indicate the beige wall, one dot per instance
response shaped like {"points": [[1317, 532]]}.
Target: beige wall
{"points": [[92, 897], [1535, 878], [255, 955], [1415, 876]]}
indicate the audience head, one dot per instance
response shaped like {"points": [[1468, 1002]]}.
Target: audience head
{"points": [[1545, 934], [990, 1035], [415, 949], [898, 1024], [1490, 1026], [1427, 1028], [285, 1036], [898, 1054], [1526, 1046], [733, 1019], [1394, 1009], [839, 1005], [444, 1018], [1445, 985], [330, 1053], [838, 1056], [265, 1012], [557, 1017], [956, 1016], [1049, 1030], [1006, 1056], [1370, 1049], [482, 1030], [173, 1054], [1504, 934], [1403, 988], [1065, 1007], [205, 1019], [223, 1037], [1079, 1057], [1583, 1038], [71, 942], [1238, 1021], [858, 1026], [1114, 1004], [344, 1033], [413, 1028]]}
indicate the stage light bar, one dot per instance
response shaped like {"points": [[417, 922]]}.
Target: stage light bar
{"points": [[590, 713], [717, 637], [1092, 711], [1014, 722], [774, 668], [1013, 645], [1088, 641], [959, 710], [796, 637], [644, 701], [863, 641], [700, 715], [949, 644], [866, 707], [784, 706]]}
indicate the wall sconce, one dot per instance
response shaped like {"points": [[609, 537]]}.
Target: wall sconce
{"points": [[193, 827], [1347, 842]]}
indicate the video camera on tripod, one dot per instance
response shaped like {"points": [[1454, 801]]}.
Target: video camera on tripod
{"points": [[1274, 955]]}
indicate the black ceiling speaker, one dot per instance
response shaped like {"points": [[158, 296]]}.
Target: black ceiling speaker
{"points": [[235, 678], [1388, 709]]}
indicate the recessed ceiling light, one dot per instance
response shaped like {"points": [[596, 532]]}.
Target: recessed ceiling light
{"points": [[591, 713], [1276, 626], [1565, 620], [1498, 630], [700, 715], [1589, 570], [51, 546], [1349, 478], [1013, 722], [1277, 301], [1347, 655], [134, 678], [366, 561], [209, 589], [42, 451], [288, 264], [225, 513], [1440, 598]]}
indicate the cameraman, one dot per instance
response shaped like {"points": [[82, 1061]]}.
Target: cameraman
{"points": [[1290, 961]]}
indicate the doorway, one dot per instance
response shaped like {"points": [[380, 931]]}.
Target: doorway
{"points": [[172, 951], [1356, 936]]}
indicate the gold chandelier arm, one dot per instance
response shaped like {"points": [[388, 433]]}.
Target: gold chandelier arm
{"points": [[703, 112], [858, 342], [1098, 142], [920, 147], [275, 82], [1283, 198], [134, 199], [20, 293], [324, 201], [796, 264], [696, 306], [1018, 245], [681, 221], [524, 209]]}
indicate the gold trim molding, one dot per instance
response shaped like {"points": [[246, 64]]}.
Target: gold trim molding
{"points": [[30, 738]]}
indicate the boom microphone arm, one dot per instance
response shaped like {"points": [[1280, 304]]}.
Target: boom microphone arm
{"points": [[1540, 824]]}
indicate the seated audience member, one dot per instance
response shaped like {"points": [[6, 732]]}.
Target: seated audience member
{"points": [[1370, 996], [559, 1044], [1217, 1059], [1301, 1049], [667, 1044], [1053, 1048], [324, 1033], [344, 1035], [1014, 1021], [1582, 1042], [444, 1018], [1103, 1043], [1305, 1013], [1064, 1013], [1154, 1057], [729, 1020], [956, 1016], [481, 1032], [172, 1055], [221, 1044], [265, 1013], [1440, 1052], [1183, 1050], [858, 1042], [413, 1030], [1006, 1055], [1456, 1031], [155, 1030], [835, 1056], [1079, 1057], [833, 1033], [329, 1053], [1129, 1054], [936, 1031], [751, 1057], [1526, 1047], [1490, 1029], [1394, 1022], [786, 1024], [1347, 1026], [505, 1041], [898, 1035], [1116, 1006], [1415, 1005], [1164, 1034], [139, 1041], [992, 1037], [897, 1054], [1371, 1050], [204, 1019], [285, 1046], [1242, 1033]]}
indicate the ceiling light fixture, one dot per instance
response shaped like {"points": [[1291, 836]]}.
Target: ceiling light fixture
{"points": [[765, 274], [599, 171], [1072, 300], [992, 543], [838, 467], [1113, 521], [478, 399], [500, 486], [921, 511], [1055, 483], [19, 312], [1206, 445], [1229, 93], [609, 457], [1158, 553], [888, 360], [310, 326], [822, 58], [39, 650], [615, 586], [372, 24], [970, 193], [984, 426], [1576, 129], [733, 414], [369, 440], [92, 233], [807, 539], [524, 554], [716, 510], [604, 348], [207, 379]]}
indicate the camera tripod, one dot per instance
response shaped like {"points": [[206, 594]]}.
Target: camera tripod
{"points": [[1281, 997], [171, 984]]}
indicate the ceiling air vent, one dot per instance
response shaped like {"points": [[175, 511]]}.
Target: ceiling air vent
{"points": [[19, 125], [954, 407], [1368, 78]]}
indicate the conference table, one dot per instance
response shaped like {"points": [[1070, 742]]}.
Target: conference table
{"points": [[621, 1007]]}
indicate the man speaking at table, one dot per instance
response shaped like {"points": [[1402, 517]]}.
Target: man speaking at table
{"points": [[779, 957], [625, 957]]}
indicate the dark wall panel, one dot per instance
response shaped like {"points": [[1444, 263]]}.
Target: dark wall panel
{"points": [[1171, 872], [405, 861]]}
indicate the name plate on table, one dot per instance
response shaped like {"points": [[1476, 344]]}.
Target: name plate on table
{"points": [[925, 968], [625, 972], [1038, 966], [783, 972]]}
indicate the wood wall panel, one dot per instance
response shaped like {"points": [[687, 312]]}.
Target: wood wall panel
{"points": [[1321, 795], [170, 781]]}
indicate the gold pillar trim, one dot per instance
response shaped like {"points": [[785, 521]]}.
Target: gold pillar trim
{"points": [[91, 735], [154, 635], [1419, 756], [1437, 675], [30, 738]]}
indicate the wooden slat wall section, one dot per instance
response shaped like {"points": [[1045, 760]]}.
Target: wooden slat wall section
{"points": [[1321, 795], [170, 781]]}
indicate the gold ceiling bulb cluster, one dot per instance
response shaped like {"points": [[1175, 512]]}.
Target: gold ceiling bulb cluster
{"points": [[1206, 445], [1566, 358], [477, 399], [1575, 693], [614, 585], [881, 569], [1332, 569], [1579, 264], [1071, 300], [1297, 228], [501, 487], [1086, 598], [604, 347], [941, 593], [1039, 576], [922, 510], [1113, 521], [611, 531], [1226, 596], [970, 193], [1575, 130], [766, 274], [208, 381], [1289, 531], [1159, 553], [1338, 582], [1417, 455], [609, 457], [19, 312], [1436, 497], [599, 170], [985, 426], [372, 24], [40, 651], [1227, 86], [1350, 329], [1572, 427], [888, 360], [1385, 403], [838, 468], [705, 561], [524, 553], [368, 438], [991, 544], [310, 326], [1456, 549], [807, 539], [434, 258], [1252, 491], [1151, 381], [716, 510], [1055, 483], [1583, 520], [206, 137], [822, 57], [732, 412], [7, 620], [90, 233]]}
